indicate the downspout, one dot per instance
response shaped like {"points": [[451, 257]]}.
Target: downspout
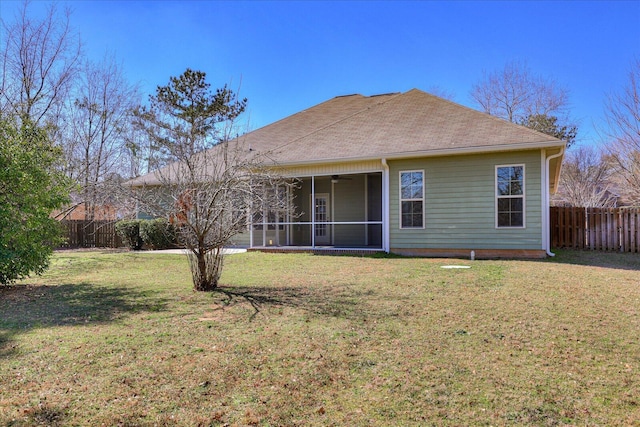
{"points": [[385, 206], [547, 216]]}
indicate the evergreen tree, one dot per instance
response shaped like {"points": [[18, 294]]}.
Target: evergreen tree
{"points": [[186, 117], [31, 188], [549, 124]]}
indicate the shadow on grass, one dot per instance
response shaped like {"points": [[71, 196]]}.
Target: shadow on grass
{"points": [[615, 260], [340, 302], [41, 415], [27, 307]]}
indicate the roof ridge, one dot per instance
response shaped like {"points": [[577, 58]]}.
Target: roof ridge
{"points": [[344, 96]]}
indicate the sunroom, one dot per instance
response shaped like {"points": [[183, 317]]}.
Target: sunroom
{"points": [[338, 212]]}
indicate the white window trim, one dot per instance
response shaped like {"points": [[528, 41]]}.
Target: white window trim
{"points": [[400, 200], [524, 198]]}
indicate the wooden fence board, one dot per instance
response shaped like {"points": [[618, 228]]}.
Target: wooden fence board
{"points": [[90, 234], [598, 229]]}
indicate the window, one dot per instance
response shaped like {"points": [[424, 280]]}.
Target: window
{"points": [[412, 199], [510, 196]]}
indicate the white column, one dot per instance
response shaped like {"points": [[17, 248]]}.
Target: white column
{"points": [[313, 211]]}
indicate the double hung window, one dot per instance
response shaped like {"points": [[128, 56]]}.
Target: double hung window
{"points": [[510, 196], [412, 199]]}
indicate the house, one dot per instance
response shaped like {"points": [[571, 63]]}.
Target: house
{"points": [[408, 173], [79, 212]]}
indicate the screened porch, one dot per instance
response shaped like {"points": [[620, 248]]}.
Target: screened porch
{"points": [[326, 211]]}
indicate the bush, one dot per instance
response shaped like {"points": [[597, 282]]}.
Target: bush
{"points": [[31, 187], [158, 233], [129, 231]]}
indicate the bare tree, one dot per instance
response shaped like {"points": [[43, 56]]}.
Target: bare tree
{"points": [[518, 95], [585, 180], [622, 118], [210, 198], [211, 187], [515, 92], [99, 120], [39, 61]]}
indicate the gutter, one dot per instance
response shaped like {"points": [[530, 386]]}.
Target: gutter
{"points": [[547, 216], [430, 153]]}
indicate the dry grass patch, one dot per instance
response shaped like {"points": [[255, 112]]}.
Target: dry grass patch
{"points": [[120, 339]]}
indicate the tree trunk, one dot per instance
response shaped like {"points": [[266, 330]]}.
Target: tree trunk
{"points": [[205, 269]]}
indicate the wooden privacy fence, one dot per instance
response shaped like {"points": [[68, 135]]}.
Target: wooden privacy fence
{"points": [[599, 229], [90, 234]]}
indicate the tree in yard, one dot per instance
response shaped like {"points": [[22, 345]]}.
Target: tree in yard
{"points": [[31, 188], [518, 95], [184, 117], [622, 118], [38, 64], [585, 180], [549, 125], [95, 143], [43, 81], [208, 194]]}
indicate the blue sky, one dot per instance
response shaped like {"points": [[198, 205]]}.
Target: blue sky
{"points": [[288, 56]]}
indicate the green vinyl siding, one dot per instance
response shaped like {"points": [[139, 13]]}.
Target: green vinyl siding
{"points": [[460, 203]]}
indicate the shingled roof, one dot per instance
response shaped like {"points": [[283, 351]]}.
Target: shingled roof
{"points": [[391, 126], [388, 126]]}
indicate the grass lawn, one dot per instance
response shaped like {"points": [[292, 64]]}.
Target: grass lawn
{"points": [[300, 340]]}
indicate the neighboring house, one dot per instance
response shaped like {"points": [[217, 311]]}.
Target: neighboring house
{"points": [[78, 212], [408, 173]]}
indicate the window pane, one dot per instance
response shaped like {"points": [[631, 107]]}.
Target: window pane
{"points": [[416, 185], [503, 188], [405, 185], [406, 220], [517, 219], [503, 205], [517, 173], [516, 188], [503, 220], [416, 192], [516, 204], [504, 174]]}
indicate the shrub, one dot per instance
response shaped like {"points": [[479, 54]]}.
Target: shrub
{"points": [[31, 187], [158, 233], [129, 231]]}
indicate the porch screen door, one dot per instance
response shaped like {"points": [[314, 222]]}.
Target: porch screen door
{"points": [[321, 212]]}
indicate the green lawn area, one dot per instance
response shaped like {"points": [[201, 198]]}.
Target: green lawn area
{"points": [[111, 339]]}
